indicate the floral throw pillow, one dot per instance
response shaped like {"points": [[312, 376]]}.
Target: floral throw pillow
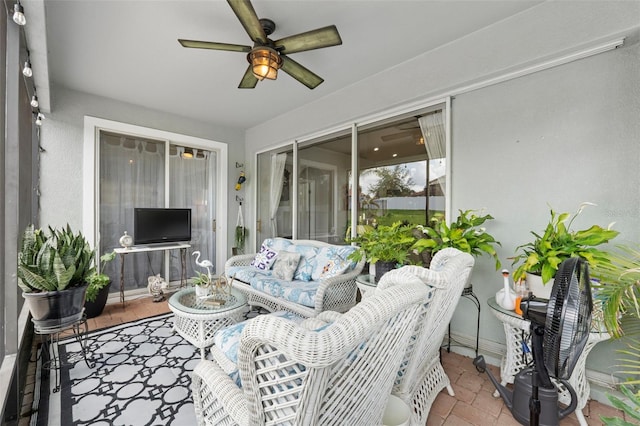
{"points": [[264, 259], [286, 265]]}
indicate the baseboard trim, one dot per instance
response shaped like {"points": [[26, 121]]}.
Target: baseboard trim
{"points": [[601, 383]]}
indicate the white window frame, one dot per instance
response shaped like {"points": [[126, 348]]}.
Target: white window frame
{"points": [[91, 175], [354, 126]]}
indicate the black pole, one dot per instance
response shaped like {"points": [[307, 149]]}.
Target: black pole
{"points": [[540, 374], [534, 402]]}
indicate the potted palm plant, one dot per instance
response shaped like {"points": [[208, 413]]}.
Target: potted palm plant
{"points": [[52, 272], [617, 286], [542, 256], [617, 290], [98, 288]]}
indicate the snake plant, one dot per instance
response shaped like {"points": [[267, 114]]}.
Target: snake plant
{"points": [[54, 261]]}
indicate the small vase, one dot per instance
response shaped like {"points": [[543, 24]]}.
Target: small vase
{"points": [[202, 291], [505, 297]]}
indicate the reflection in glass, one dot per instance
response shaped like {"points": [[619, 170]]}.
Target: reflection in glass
{"points": [[402, 167], [323, 178], [274, 194], [401, 175]]}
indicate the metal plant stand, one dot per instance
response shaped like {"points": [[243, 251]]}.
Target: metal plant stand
{"points": [[50, 338], [468, 293]]}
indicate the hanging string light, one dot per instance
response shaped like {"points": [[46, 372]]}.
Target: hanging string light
{"points": [[18, 14], [27, 71]]}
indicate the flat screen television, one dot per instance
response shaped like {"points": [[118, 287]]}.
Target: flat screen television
{"points": [[156, 225]]}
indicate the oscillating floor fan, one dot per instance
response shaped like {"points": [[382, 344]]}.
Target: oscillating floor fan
{"points": [[559, 333]]}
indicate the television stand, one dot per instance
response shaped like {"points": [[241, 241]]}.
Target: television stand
{"points": [[154, 247]]}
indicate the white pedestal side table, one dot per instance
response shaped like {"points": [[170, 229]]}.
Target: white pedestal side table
{"points": [[197, 320], [517, 330]]}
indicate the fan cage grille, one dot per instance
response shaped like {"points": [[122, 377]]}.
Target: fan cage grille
{"points": [[568, 318]]}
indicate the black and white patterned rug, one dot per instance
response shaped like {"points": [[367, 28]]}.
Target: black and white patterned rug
{"points": [[141, 376]]}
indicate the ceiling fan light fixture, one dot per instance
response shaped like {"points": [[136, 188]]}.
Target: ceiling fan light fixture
{"points": [[265, 62]]}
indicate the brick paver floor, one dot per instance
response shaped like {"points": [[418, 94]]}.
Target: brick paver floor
{"points": [[473, 404]]}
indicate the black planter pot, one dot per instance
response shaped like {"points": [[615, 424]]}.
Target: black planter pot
{"points": [[95, 308], [56, 308], [382, 268]]}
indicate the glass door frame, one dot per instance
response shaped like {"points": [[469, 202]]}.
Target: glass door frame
{"points": [[353, 126], [91, 177]]}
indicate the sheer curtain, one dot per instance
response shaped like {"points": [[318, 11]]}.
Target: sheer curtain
{"points": [[432, 127], [191, 185], [277, 175], [131, 175]]}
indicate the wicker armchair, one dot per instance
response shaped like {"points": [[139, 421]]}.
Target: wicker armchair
{"points": [[334, 369], [337, 293], [422, 376]]}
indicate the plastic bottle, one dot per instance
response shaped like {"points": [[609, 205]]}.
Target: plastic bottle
{"points": [[521, 293]]}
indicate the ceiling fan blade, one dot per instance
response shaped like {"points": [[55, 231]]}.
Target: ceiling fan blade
{"points": [[249, 80], [300, 73], [214, 46], [314, 39], [249, 20]]}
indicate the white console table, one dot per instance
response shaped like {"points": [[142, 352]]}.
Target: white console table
{"points": [[158, 247]]}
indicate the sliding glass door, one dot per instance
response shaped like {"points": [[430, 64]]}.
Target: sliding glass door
{"points": [[323, 180], [192, 185], [400, 166], [139, 172]]}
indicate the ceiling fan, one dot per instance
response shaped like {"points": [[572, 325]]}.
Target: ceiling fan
{"points": [[267, 56]]}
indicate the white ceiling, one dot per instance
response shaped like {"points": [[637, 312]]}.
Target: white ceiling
{"points": [[128, 50]]}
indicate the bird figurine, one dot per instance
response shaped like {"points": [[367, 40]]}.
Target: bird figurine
{"points": [[505, 297], [156, 285], [204, 264]]}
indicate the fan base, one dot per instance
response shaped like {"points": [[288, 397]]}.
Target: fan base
{"points": [[522, 389]]}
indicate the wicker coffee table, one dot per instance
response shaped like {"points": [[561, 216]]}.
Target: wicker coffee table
{"points": [[198, 319]]}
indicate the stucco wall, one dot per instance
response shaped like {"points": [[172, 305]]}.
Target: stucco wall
{"points": [[552, 139], [557, 137], [61, 165]]}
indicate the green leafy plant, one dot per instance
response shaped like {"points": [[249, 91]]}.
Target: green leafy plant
{"points": [[632, 410], [466, 234], [240, 237], [629, 389], [384, 243], [98, 280], [618, 286], [53, 262], [544, 254], [200, 279]]}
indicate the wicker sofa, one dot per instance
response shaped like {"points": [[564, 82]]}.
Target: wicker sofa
{"points": [[323, 279]]}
